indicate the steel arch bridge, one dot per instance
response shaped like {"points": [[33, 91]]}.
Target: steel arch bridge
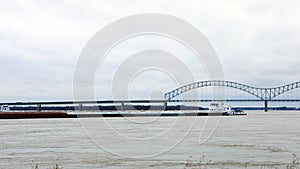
{"points": [[264, 94]]}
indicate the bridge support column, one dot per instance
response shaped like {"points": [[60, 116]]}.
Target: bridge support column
{"points": [[266, 106], [123, 106], [165, 106], [80, 107], [38, 107]]}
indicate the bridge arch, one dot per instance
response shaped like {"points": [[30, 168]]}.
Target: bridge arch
{"points": [[261, 93]]}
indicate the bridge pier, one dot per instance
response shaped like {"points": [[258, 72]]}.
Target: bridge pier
{"points": [[266, 106], [80, 107], [165, 106], [123, 106], [38, 107]]}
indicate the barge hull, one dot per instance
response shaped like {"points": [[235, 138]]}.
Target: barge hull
{"points": [[33, 115]]}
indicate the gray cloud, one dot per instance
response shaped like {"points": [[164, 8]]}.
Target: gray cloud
{"points": [[40, 41]]}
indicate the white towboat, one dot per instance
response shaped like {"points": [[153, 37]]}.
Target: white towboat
{"points": [[218, 107]]}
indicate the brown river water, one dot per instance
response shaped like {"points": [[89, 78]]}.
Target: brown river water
{"points": [[258, 140]]}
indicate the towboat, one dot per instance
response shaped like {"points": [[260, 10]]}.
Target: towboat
{"points": [[218, 107]]}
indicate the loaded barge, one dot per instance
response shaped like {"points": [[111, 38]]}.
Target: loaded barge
{"points": [[5, 113], [215, 110], [31, 115]]}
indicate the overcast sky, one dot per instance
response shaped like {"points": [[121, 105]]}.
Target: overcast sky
{"points": [[257, 42]]}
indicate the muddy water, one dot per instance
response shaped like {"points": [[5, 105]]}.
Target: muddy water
{"points": [[259, 140]]}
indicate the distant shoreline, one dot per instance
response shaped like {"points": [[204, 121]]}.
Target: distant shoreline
{"points": [[139, 107]]}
